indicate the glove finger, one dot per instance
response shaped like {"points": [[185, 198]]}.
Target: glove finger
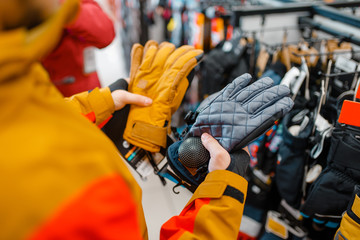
{"points": [[266, 98], [136, 58], [178, 53], [149, 44], [165, 50], [183, 66], [252, 90], [207, 101], [150, 51], [178, 75], [236, 85], [276, 110], [259, 124]]}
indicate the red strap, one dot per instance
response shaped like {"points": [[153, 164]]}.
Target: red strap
{"points": [[350, 113]]}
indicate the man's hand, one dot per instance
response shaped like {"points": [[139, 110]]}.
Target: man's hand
{"points": [[122, 98], [220, 159]]}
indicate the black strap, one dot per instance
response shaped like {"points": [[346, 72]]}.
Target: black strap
{"points": [[181, 182], [234, 193]]}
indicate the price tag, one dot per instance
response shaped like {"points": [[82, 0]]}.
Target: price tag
{"points": [[138, 159], [89, 60], [339, 53], [345, 64]]}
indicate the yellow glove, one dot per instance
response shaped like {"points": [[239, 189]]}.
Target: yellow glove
{"points": [[160, 73]]}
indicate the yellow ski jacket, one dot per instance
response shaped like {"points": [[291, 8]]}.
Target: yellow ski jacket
{"points": [[62, 178]]}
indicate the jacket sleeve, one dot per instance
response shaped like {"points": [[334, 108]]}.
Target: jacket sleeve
{"points": [[92, 25], [97, 105], [350, 222], [214, 211]]}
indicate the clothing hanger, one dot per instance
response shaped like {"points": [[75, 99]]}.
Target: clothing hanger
{"points": [[325, 53], [321, 102], [310, 41], [303, 50], [263, 56], [356, 78], [303, 75], [327, 79], [285, 55], [307, 79], [252, 56]]}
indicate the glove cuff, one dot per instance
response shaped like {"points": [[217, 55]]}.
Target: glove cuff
{"points": [[120, 84], [147, 136], [179, 169], [239, 162]]}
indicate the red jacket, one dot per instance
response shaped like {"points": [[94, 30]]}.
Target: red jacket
{"points": [[65, 64]]}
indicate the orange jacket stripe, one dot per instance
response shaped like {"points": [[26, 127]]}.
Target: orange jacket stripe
{"points": [[184, 222], [101, 125], [104, 210], [91, 116], [210, 213]]}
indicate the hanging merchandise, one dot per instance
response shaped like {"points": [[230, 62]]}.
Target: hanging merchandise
{"points": [[219, 63], [337, 48], [203, 24], [303, 48], [220, 28], [344, 83], [275, 71], [262, 195], [133, 28], [199, 30], [183, 24], [330, 194], [292, 156]]}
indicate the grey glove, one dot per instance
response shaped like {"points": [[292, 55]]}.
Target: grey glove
{"points": [[235, 116], [239, 113]]}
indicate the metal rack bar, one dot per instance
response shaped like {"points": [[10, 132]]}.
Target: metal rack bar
{"points": [[346, 36], [333, 14], [288, 8]]}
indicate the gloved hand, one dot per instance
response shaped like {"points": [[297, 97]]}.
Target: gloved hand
{"points": [[241, 113], [162, 74], [331, 192], [219, 159], [235, 116]]}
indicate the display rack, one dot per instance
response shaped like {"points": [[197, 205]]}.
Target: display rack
{"points": [[328, 10]]}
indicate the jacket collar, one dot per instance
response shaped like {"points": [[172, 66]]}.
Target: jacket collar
{"points": [[20, 48]]}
